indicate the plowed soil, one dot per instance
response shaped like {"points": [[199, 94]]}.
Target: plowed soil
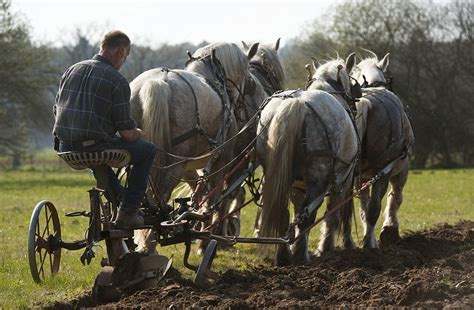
{"points": [[429, 269]]}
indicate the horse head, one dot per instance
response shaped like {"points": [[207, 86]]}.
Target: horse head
{"points": [[371, 72], [267, 67], [333, 76], [224, 63]]}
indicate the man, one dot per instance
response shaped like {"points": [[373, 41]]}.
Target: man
{"points": [[92, 105]]}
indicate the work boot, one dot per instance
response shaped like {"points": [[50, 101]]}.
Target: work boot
{"points": [[129, 218]]}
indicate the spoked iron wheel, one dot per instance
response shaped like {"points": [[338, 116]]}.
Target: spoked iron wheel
{"points": [[204, 271], [44, 225]]}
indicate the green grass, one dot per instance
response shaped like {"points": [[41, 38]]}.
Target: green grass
{"points": [[431, 197]]}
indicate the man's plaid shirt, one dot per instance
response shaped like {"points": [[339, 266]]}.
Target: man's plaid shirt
{"points": [[93, 102]]}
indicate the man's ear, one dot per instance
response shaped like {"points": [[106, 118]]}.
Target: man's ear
{"points": [[119, 52]]}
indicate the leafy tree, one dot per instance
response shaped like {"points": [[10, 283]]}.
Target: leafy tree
{"points": [[25, 74], [431, 46], [143, 58]]}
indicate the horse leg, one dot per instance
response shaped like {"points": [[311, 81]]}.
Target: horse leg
{"points": [[314, 199], [258, 218], [364, 197], [283, 255], [233, 228], [230, 226], [328, 232], [390, 233], [341, 219], [297, 199], [346, 212], [379, 189], [164, 184], [258, 222], [216, 183]]}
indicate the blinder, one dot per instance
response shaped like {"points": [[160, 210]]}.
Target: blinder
{"points": [[356, 89]]}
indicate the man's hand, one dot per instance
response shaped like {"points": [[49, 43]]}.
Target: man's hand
{"points": [[130, 135]]}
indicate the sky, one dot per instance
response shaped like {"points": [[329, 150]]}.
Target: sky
{"points": [[154, 22]]}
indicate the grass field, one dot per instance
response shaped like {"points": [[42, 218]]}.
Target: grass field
{"points": [[431, 197]]}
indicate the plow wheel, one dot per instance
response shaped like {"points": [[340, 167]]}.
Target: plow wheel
{"points": [[44, 224], [204, 271]]}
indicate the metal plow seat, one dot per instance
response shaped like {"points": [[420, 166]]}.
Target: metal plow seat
{"points": [[81, 160]]}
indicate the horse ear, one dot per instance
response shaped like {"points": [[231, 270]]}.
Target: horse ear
{"points": [[370, 52], [350, 62], [246, 47], [252, 51], [277, 44], [315, 63], [383, 64]]}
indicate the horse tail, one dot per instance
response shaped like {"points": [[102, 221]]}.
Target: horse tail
{"points": [[155, 95], [284, 132]]}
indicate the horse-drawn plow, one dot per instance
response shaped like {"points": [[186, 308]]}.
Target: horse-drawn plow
{"points": [[123, 269], [310, 143]]}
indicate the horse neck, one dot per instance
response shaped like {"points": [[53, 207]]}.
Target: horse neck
{"points": [[320, 84], [260, 76], [201, 68], [269, 81]]}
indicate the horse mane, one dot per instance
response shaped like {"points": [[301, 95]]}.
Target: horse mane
{"points": [[233, 60], [368, 64], [272, 58], [328, 71]]}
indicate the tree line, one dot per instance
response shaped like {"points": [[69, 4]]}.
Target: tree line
{"points": [[431, 61]]}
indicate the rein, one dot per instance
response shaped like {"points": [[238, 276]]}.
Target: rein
{"points": [[184, 159], [383, 172], [388, 84], [339, 90], [267, 72], [254, 117], [219, 86]]}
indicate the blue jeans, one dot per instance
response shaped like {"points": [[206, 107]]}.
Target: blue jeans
{"points": [[142, 157]]}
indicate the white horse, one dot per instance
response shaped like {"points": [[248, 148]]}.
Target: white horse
{"points": [[371, 72], [188, 113], [268, 77], [308, 145], [387, 139]]}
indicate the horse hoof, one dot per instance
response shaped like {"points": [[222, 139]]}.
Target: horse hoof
{"points": [[349, 245], [280, 262], [318, 253], [147, 251], [201, 247], [233, 228], [389, 235], [199, 251], [369, 243]]}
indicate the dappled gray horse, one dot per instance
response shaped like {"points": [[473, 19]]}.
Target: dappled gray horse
{"points": [[387, 142], [268, 77], [189, 115], [308, 146], [372, 72]]}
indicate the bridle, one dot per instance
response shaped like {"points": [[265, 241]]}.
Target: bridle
{"points": [[387, 84], [339, 89], [266, 70]]}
